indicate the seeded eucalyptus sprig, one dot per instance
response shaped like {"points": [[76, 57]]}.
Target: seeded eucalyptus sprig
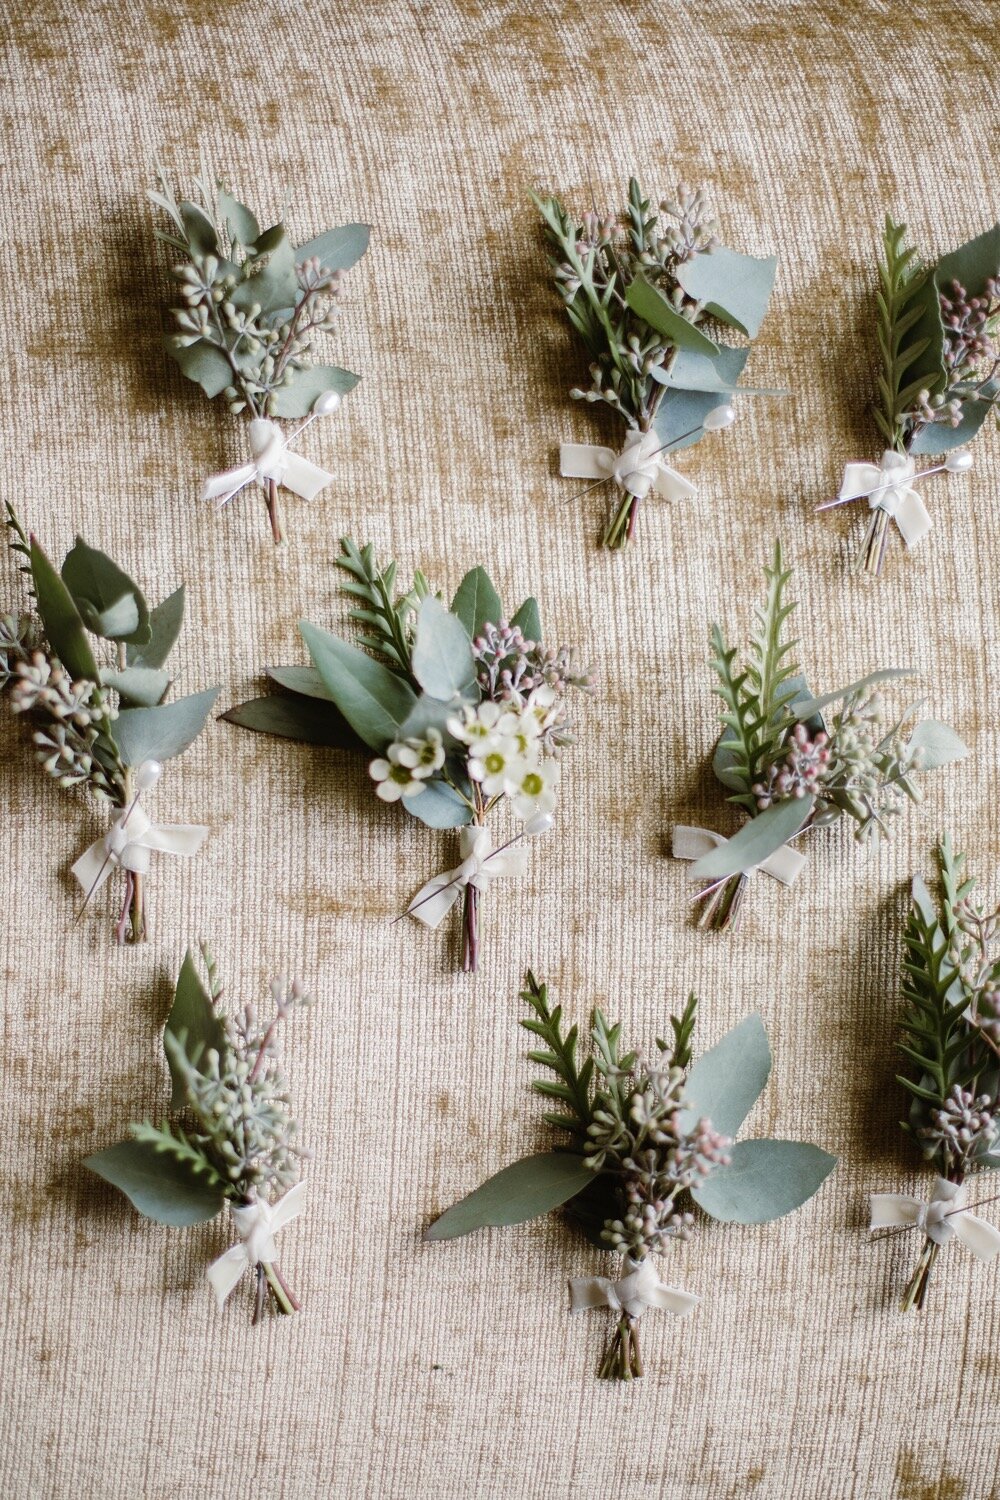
{"points": [[251, 308], [950, 1038], [86, 670], [794, 762], [939, 377], [464, 708], [642, 1142], [231, 1137], [642, 292]]}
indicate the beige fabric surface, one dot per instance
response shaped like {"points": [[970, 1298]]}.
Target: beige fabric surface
{"points": [[454, 1370]]}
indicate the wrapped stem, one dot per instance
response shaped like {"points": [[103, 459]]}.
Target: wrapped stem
{"points": [[621, 528], [270, 1279], [273, 512], [916, 1287], [622, 1359], [723, 903], [873, 548], [470, 930]]}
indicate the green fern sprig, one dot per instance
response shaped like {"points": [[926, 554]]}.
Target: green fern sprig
{"points": [[614, 1070], [901, 278], [682, 1027], [572, 1087], [170, 1140], [386, 617]]}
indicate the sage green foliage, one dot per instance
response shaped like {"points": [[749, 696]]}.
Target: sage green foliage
{"points": [[600, 1097], [252, 303]]}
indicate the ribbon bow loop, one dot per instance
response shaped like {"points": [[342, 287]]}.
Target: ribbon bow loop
{"points": [[480, 865], [639, 468], [941, 1218], [886, 486], [638, 1289], [130, 841], [785, 864], [272, 458], [256, 1224]]}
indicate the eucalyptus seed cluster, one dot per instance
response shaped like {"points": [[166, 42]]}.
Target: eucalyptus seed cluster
{"points": [[73, 717], [509, 667], [639, 1136], [18, 638], [971, 356], [241, 1102], [963, 1131]]}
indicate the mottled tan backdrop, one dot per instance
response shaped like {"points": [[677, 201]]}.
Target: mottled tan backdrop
{"points": [[454, 1370]]}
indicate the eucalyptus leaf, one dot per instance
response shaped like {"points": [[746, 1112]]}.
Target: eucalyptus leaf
{"points": [[924, 900], [269, 273], [938, 743], [734, 288], [337, 249], [162, 732], [428, 713], [476, 602], [438, 806], [679, 418], [196, 1024], [691, 371], [971, 264], [109, 602], [726, 1081], [938, 437], [199, 229], [649, 303], [139, 687], [810, 706], [201, 362], [765, 1180], [528, 621], [533, 1186], [373, 700], [304, 387], [755, 841], [237, 217], [159, 1185], [304, 680], [311, 721], [165, 622], [442, 659], [61, 618]]}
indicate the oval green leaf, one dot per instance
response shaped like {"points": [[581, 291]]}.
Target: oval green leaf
{"points": [[163, 732], [649, 303], [159, 1185], [373, 700], [196, 1024], [533, 1186], [755, 840], [476, 602], [734, 288], [442, 652], [765, 1180], [727, 1080]]}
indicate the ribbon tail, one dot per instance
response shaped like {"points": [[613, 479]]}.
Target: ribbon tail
{"points": [[222, 487], [224, 1273], [693, 843], [508, 862], [890, 1210], [184, 839], [785, 864], [434, 901], [585, 461], [288, 1206], [673, 486], [912, 518], [671, 1299], [586, 1292], [859, 480], [304, 478], [93, 867], [976, 1235]]}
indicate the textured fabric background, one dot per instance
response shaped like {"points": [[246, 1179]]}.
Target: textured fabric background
{"points": [[454, 1370]]}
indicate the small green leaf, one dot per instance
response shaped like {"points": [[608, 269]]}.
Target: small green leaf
{"points": [[442, 652], [310, 720], [680, 415], [528, 621], [533, 1186], [240, 221], [938, 743], [61, 618], [439, 806], [196, 1024], [304, 680], [476, 602], [299, 396], [373, 700], [203, 363], [805, 708], [163, 732], [765, 1180], [755, 841], [160, 1186], [337, 249], [199, 229], [110, 603], [727, 1080], [269, 273], [138, 687], [165, 622], [649, 303], [720, 374], [734, 288]]}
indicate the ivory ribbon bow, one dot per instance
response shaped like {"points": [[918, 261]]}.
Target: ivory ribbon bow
{"points": [[886, 487], [940, 1219], [785, 864], [272, 459], [638, 1289], [481, 863], [256, 1224], [130, 841], [638, 469]]}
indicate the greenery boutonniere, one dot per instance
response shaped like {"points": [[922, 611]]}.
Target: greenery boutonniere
{"points": [[951, 1040], [464, 708], [644, 294], [795, 763], [232, 1139], [938, 380], [252, 304], [102, 724], [643, 1141]]}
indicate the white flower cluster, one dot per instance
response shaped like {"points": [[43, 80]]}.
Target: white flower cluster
{"points": [[407, 765]]}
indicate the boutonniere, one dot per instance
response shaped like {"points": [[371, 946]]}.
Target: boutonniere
{"points": [[937, 381], [252, 306], [643, 1141], [645, 293], [794, 763], [464, 706], [231, 1138], [950, 1037], [96, 707]]}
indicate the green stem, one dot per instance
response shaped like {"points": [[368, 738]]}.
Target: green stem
{"points": [[283, 1296], [916, 1287], [723, 905]]}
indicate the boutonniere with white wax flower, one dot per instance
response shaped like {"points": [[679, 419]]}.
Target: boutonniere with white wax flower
{"points": [[230, 1140], [252, 305], [647, 294], [950, 1037], [794, 763], [644, 1141], [86, 670], [465, 708], [938, 381]]}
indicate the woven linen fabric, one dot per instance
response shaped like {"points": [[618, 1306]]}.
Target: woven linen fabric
{"points": [[454, 1370]]}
